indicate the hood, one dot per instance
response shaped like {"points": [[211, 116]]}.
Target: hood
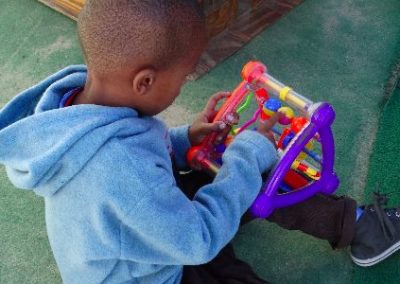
{"points": [[44, 146]]}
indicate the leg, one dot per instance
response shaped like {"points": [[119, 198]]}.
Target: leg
{"points": [[373, 238], [190, 182], [225, 268], [326, 217], [323, 216]]}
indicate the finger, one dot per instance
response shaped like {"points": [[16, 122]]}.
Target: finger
{"points": [[268, 124], [209, 117], [213, 101], [222, 135], [235, 118], [270, 136], [207, 128]]}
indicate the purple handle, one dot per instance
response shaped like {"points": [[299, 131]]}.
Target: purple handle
{"points": [[268, 200]]}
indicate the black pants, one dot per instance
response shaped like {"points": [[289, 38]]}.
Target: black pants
{"points": [[330, 218]]}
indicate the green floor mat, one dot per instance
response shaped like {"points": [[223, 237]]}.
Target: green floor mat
{"points": [[25, 255], [384, 176], [35, 42]]}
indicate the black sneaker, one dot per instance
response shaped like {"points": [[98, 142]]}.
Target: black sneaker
{"points": [[377, 233]]}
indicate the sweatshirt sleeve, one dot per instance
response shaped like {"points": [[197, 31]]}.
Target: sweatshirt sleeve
{"points": [[174, 230], [180, 144]]}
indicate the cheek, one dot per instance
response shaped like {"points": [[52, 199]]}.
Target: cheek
{"points": [[177, 92], [175, 88], [174, 95], [169, 95]]}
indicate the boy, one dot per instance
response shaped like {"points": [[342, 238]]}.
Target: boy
{"points": [[87, 141]]}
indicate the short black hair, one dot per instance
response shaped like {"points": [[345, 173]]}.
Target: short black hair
{"points": [[112, 32]]}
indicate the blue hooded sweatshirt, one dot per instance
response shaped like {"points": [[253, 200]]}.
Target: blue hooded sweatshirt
{"points": [[113, 211]]}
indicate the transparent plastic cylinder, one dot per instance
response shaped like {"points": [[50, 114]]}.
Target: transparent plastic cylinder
{"points": [[284, 93]]}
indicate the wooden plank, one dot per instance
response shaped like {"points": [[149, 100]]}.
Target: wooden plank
{"points": [[247, 25], [70, 8]]}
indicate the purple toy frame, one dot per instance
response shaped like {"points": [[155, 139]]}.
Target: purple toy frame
{"points": [[269, 200]]}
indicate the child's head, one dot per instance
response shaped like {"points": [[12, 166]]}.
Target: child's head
{"points": [[140, 51]]}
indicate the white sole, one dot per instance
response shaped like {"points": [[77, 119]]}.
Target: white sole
{"points": [[372, 261]]}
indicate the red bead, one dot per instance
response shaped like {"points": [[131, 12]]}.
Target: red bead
{"points": [[298, 123]]}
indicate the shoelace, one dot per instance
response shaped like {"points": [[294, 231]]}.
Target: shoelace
{"points": [[387, 227]]}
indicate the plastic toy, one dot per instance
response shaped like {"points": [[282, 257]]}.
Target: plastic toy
{"points": [[301, 172]]}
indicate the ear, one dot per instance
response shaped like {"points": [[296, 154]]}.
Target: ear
{"points": [[143, 81]]}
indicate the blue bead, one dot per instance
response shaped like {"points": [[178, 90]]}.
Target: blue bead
{"points": [[273, 104], [287, 139]]}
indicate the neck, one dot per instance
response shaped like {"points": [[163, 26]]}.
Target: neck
{"points": [[97, 91]]}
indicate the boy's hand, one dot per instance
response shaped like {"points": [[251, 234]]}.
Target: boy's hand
{"points": [[265, 127], [202, 125]]}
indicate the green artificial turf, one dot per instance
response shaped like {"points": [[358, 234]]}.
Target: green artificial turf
{"points": [[340, 51], [35, 42], [384, 176]]}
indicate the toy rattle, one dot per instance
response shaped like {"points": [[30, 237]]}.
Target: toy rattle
{"points": [[301, 171]]}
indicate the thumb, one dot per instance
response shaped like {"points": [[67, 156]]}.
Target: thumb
{"points": [[207, 128], [267, 125]]}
